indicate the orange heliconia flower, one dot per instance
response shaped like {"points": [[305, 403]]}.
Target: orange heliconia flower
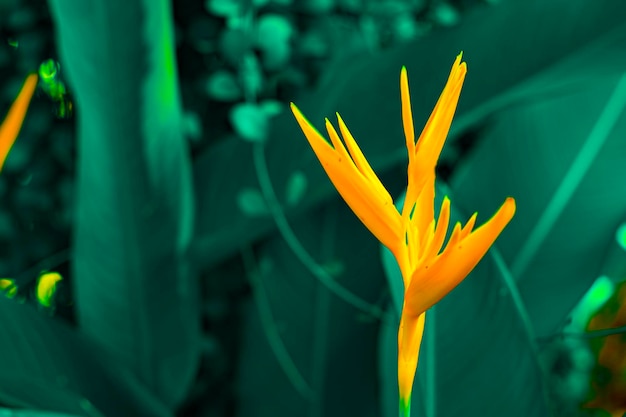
{"points": [[413, 236], [12, 124]]}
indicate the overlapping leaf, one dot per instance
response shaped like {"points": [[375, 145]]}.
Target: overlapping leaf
{"points": [[134, 207]]}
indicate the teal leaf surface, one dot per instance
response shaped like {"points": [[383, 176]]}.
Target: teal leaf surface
{"points": [[505, 46], [47, 365], [557, 145], [306, 351], [134, 289]]}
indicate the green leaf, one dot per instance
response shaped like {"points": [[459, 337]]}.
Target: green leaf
{"points": [[305, 350], [223, 86], [274, 32], [134, 291], [557, 146], [224, 8], [296, 188], [252, 203], [49, 366], [272, 107], [249, 121]]}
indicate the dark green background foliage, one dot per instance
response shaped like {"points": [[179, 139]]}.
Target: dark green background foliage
{"points": [[210, 268]]}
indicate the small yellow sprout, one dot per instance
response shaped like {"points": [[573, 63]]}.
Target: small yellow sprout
{"points": [[46, 287], [8, 287]]}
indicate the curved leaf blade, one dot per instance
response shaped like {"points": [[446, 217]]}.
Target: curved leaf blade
{"points": [[135, 293]]}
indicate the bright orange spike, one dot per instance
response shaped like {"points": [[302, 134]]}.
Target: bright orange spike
{"points": [[354, 179], [414, 236], [12, 124]]}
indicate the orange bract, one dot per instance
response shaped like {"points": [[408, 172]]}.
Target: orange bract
{"points": [[414, 236], [12, 124]]}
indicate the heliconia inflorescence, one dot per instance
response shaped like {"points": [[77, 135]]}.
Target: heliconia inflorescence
{"points": [[413, 235]]}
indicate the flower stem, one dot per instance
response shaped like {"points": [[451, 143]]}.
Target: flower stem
{"points": [[405, 407]]}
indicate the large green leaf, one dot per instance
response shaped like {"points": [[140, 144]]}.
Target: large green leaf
{"points": [[134, 290], [47, 365], [504, 45], [557, 145], [305, 351]]}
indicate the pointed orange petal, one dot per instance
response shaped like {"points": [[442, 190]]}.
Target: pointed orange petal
{"points": [[12, 124], [361, 163], [409, 340], [407, 114], [432, 281], [415, 182], [423, 156], [469, 226], [433, 136], [371, 204], [409, 135]]}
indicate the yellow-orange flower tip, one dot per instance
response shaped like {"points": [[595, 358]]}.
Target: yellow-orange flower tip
{"points": [[424, 154], [430, 142], [12, 124], [407, 115], [354, 179], [437, 276]]}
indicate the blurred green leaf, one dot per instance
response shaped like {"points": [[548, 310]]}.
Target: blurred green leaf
{"points": [[235, 43], [134, 290], [252, 203], [503, 52], [620, 236], [249, 121], [224, 8], [296, 188], [273, 29], [273, 34], [445, 14], [47, 365], [272, 107], [304, 351], [192, 126], [223, 86], [251, 76], [557, 146]]}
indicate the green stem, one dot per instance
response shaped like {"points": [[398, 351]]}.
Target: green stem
{"points": [[405, 408]]}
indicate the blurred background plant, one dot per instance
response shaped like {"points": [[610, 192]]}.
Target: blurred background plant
{"points": [[297, 312]]}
